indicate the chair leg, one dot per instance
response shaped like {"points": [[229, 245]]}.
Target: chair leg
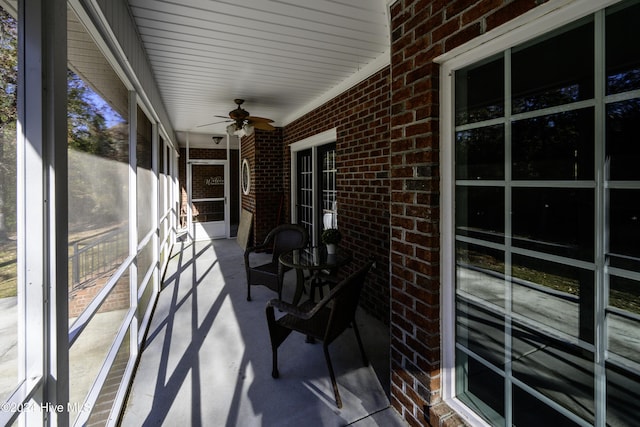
{"points": [[365, 360], [248, 292], [333, 376], [277, 336]]}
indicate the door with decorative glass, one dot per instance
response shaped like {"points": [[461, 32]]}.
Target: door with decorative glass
{"points": [[209, 189]]}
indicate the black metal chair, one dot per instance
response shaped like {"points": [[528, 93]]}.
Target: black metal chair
{"points": [[324, 321], [283, 238]]}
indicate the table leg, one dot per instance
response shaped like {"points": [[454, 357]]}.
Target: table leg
{"points": [[299, 286]]}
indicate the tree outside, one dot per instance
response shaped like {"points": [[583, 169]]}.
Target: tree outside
{"points": [[94, 132]]}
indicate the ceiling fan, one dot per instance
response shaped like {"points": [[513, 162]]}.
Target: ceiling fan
{"points": [[242, 123]]}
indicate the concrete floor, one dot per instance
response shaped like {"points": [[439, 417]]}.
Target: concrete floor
{"points": [[207, 358]]}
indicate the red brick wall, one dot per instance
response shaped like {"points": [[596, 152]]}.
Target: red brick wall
{"points": [[81, 296], [361, 116], [263, 150], [420, 31], [248, 151]]}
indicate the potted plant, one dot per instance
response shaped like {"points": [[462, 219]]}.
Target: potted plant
{"points": [[331, 237]]}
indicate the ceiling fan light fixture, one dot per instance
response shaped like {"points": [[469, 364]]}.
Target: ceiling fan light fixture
{"points": [[242, 124]]}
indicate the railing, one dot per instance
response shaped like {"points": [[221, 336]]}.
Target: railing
{"points": [[98, 254]]}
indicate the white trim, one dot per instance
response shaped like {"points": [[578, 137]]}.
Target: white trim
{"points": [[210, 229], [447, 242], [245, 186], [316, 140], [367, 71], [321, 138]]}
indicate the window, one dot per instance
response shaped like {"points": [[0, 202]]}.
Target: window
{"points": [[546, 191], [314, 191], [67, 231], [98, 201], [329, 196]]}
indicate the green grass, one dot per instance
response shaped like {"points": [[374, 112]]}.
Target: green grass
{"points": [[8, 270]]}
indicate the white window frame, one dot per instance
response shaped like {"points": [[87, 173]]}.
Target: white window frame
{"points": [[312, 142], [541, 20]]}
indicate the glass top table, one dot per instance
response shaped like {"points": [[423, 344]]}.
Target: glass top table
{"points": [[316, 260]]}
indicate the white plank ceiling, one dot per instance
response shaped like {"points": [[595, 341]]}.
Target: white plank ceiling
{"points": [[283, 57]]}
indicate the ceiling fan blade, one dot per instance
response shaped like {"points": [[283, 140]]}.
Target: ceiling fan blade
{"points": [[259, 119], [214, 123], [222, 117], [262, 126]]}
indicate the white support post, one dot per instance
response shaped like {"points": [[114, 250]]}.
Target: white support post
{"points": [[42, 210], [133, 218]]}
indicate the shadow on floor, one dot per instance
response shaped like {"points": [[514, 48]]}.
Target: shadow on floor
{"points": [[207, 356]]}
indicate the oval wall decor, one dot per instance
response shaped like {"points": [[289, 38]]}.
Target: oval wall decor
{"points": [[245, 177]]}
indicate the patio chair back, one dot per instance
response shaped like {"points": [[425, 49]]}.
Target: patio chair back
{"points": [[283, 238]]}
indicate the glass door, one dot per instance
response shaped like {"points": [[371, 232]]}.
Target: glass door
{"points": [[327, 186], [305, 191], [209, 188], [316, 196]]}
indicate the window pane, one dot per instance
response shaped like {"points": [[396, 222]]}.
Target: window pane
{"points": [[624, 229], [559, 371], [480, 389], [480, 272], [144, 261], [145, 176], [623, 396], [329, 200], [144, 300], [623, 143], [556, 295], [555, 147], [92, 260], [94, 344], [480, 331], [524, 405], [554, 220], [162, 179], [305, 190], [98, 181], [557, 70], [208, 211], [623, 322], [480, 212], [480, 92], [480, 153], [98, 190], [623, 56], [8, 205], [208, 181]]}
